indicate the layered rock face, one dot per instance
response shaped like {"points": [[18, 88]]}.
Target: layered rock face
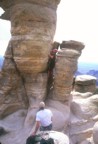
{"points": [[33, 26], [66, 66], [95, 133], [85, 83], [24, 80]]}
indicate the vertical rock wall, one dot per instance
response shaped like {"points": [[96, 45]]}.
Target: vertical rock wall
{"points": [[33, 26], [66, 66]]}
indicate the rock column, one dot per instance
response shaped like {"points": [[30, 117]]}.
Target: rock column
{"points": [[33, 25], [66, 66]]}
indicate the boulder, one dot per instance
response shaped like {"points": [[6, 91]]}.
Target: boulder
{"points": [[85, 83]]}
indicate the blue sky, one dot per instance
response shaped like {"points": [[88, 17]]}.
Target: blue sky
{"points": [[76, 20]]}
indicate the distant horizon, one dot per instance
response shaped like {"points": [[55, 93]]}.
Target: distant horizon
{"points": [[84, 67]]}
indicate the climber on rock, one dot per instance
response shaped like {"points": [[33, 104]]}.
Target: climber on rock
{"points": [[51, 62], [51, 65]]}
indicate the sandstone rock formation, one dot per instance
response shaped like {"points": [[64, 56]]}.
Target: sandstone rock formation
{"points": [[84, 114], [95, 133], [66, 66], [33, 26], [24, 80], [85, 83]]}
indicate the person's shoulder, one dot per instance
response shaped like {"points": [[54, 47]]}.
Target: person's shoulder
{"points": [[38, 112], [48, 110]]}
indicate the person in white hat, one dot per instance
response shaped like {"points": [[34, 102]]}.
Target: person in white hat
{"points": [[43, 119]]}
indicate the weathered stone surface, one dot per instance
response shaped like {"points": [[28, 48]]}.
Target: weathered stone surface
{"points": [[6, 5], [66, 65], [85, 83], [32, 35], [35, 86], [59, 138], [85, 142], [83, 117], [72, 44], [95, 133], [61, 114], [12, 93], [85, 107], [23, 78], [49, 3]]}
